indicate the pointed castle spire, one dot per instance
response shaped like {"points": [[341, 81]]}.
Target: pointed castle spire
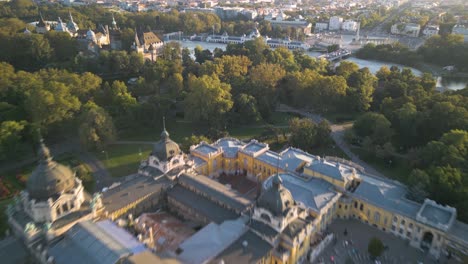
{"points": [[43, 151], [164, 134]]}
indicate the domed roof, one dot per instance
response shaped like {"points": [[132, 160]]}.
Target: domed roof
{"points": [[90, 35], [276, 199], [165, 148], [49, 178]]}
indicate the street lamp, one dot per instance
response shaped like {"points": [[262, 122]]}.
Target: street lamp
{"points": [[107, 156]]}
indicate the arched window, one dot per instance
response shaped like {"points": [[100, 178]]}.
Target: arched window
{"points": [[395, 219], [376, 217], [265, 217], [403, 222], [361, 207]]}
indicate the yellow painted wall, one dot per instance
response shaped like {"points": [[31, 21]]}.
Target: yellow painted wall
{"points": [[329, 179]]}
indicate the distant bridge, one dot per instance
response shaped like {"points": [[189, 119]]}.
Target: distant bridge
{"points": [[336, 55]]}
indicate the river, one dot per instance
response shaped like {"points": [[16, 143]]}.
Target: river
{"points": [[374, 66]]}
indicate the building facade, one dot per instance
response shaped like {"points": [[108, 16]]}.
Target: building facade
{"points": [[350, 192]]}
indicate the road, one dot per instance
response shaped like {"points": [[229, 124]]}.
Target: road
{"points": [[337, 134], [379, 29]]}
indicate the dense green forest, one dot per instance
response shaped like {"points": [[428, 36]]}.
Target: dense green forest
{"points": [[46, 84]]}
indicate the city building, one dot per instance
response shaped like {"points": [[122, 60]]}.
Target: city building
{"points": [[226, 202], [407, 29], [148, 44], [321, 26], [53, 201], [335, 23], [281, 21], [350, 25], [461, 30], [42, 26], [431, 30], [273, 43]]}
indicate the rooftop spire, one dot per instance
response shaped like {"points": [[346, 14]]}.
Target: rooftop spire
{"points": [[43, 152], [164, 134], [71, 17]]}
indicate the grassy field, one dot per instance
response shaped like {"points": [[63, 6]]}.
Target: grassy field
{"points": [[330, 150], [399, 169], [123, 160]]}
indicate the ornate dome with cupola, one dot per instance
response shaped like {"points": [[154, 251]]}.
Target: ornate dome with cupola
{"points": [[166, 156], [52, 190]]}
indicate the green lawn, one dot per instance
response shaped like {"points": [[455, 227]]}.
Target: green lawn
{"points": [[399, 169], [330, 150], [180, 128], [123, 160], [281, 118]]}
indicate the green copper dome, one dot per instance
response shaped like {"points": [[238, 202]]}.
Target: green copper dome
{"points": [[276, 199], [49, 178], [165, 148]]}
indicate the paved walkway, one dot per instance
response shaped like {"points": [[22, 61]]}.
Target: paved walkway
{"points": [[354, 245], [337, 134], [98, 170]]}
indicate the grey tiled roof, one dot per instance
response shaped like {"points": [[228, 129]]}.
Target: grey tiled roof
{"points": [[254, 147], [436, 215], [314, 193], [205, 149], [216, 190], [459, 231], [132, 190], [87, 242], [230, 146], [12, 251], [386, 195], [263, 229], [249, 248], [201, 205]]}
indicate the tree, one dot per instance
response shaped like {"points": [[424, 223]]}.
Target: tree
{"points": [[96, 128], [263, 83], [51, 103], [245, 109], [375, 247], [10, 138], [375, 126], [116, 98], [362, 85], [346, 68], [193, 140], [209, 99], [306, 135]]}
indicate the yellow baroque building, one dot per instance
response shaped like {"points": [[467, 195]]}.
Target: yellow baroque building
{"points": [[339, 189]]}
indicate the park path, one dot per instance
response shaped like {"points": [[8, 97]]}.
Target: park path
{"points": [[337, 134], [100, 174]]}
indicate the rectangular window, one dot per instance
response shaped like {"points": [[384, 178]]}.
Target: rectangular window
{"points": [[408, 234], [401, 231]]}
